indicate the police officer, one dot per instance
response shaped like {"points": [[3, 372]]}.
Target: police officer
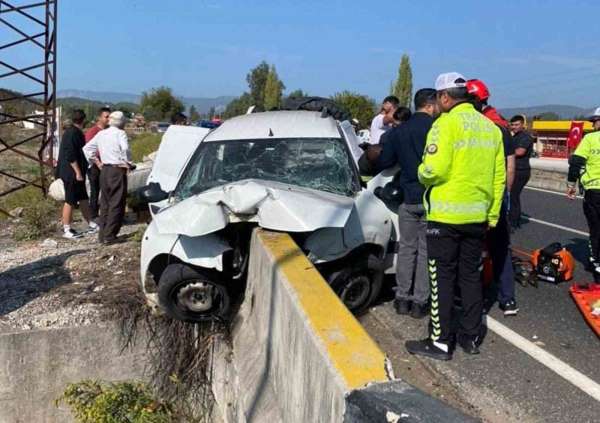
{"points": [[584, 165], [464, 175]]}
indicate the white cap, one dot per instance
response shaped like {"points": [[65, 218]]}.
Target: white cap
{"points": [[596, 114], [116, 118], [450, 80]]}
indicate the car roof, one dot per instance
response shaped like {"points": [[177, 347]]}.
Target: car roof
{"points": [[276, 124]]}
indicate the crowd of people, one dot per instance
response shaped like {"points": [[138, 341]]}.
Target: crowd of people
{"points": [[463, 167], [102, 156]]}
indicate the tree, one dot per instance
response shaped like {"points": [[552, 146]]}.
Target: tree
{"points": [[297, 93], [194, 115], [257, 79], [273, 90], [160, 104], [403, 86], [238, 106], [361, 107], [211, 112]]}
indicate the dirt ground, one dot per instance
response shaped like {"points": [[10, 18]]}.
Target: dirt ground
{"points": [[57, 282]]}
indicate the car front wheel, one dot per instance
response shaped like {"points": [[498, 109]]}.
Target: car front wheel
{"points": [[191, 295]]}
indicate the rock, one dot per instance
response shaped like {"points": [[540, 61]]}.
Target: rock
{"points": [[49, 243], [17, 212]]}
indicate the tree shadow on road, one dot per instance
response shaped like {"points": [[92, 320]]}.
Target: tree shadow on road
{"points": [[22, 284]]}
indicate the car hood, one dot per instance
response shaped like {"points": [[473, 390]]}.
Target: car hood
{"points": [[272, 205]]}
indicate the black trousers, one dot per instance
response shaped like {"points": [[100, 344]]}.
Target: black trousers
{"points": [[454, 257], [113, 196], [503, 287], [521, 178], [94, 177], [591, 209]]}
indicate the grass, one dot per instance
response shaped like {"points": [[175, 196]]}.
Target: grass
{"points": [[124, 402], [142, 145]]}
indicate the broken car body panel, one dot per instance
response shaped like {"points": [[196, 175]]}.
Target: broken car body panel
{"points": [[272, 205]]}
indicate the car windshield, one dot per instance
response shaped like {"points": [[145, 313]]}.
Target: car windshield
{"points": [[318, 163]]}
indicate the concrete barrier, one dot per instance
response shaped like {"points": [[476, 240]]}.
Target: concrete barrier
{"points": [[36, 366], [298, 355], [550, 174]]}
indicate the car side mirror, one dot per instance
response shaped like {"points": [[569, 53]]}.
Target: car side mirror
{"points": [[152, 193]]}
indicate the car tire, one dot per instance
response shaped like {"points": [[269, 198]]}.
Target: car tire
{"points": [[358, 286], [192, 295]]}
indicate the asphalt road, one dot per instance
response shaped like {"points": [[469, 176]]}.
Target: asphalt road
{"points": [[503, 382]]}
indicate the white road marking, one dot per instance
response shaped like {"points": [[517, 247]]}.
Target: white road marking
{"points": [[559, 367], [562, 194], [554, 225]]}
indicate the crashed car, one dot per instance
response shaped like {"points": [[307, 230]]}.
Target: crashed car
{"points": [[291, 171]]}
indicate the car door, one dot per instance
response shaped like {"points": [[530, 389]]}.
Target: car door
{"points": [[177, 146]]}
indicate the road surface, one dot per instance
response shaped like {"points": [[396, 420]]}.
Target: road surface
{"points": [[559, 381]]}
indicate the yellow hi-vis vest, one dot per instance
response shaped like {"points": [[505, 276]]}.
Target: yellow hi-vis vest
{"points": [[589, 149], [463, 168]]}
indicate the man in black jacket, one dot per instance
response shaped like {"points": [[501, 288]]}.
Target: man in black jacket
{"points": [[71, 168], [404, 147]]}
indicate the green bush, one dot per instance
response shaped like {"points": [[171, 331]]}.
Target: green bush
{"points": [[124, 402], [39, 215], [142, 145]]}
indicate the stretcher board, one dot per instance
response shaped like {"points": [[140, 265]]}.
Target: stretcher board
{"points": [[584, 298]]}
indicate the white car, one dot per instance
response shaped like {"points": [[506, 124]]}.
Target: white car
{"points": [[291, 171]]}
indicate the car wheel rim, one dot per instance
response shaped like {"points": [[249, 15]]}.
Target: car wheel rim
{"points": [[197, 297], [356, 291]]}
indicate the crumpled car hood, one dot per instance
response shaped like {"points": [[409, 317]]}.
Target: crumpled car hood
{"points": [[272, 205]]}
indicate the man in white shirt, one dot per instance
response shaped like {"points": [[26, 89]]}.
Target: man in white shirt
{"points": [[112, 146], [384, 120]]}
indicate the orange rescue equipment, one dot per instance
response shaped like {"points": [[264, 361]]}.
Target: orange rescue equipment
{"points": [[553, 263], [587, 298]]}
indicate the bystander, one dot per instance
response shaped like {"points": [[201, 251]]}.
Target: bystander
{"points": [[71, 169], [94, 171], [109, 150]]}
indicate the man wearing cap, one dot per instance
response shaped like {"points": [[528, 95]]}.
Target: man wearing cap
{"points": [[464, 176], [112, 146], [584, 165]]}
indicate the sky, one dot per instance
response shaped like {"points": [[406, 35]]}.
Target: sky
{"points": [[529, 52]]}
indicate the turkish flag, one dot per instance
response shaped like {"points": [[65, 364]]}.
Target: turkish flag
{"points": [[575, 135]]}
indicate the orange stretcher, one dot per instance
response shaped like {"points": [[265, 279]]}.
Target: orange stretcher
{"points": [[586, 298]]}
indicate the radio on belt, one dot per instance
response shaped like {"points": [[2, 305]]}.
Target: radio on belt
{"points": [[553, 263]]}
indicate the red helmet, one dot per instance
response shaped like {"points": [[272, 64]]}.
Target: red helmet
{"points": [[478, 89]]}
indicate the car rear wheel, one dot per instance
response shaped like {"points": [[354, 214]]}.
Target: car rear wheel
{"points": [[191, 295]]}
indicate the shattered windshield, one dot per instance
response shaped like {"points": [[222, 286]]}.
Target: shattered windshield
{"points": [[318, 163]]}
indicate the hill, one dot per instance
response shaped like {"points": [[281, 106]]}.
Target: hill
{"points": [[564, 112], [202, 104]]}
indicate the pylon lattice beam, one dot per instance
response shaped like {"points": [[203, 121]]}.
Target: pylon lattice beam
{"points": [[35, 24]]}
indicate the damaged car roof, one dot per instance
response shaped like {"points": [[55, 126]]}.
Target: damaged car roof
{"points": [[278, 124]]}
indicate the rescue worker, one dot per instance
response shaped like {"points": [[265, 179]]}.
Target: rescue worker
{"points": [[498, 238], [464, 176], [584, 165]]}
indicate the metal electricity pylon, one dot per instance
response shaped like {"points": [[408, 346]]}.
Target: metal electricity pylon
{"points": [[28, 56]]}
